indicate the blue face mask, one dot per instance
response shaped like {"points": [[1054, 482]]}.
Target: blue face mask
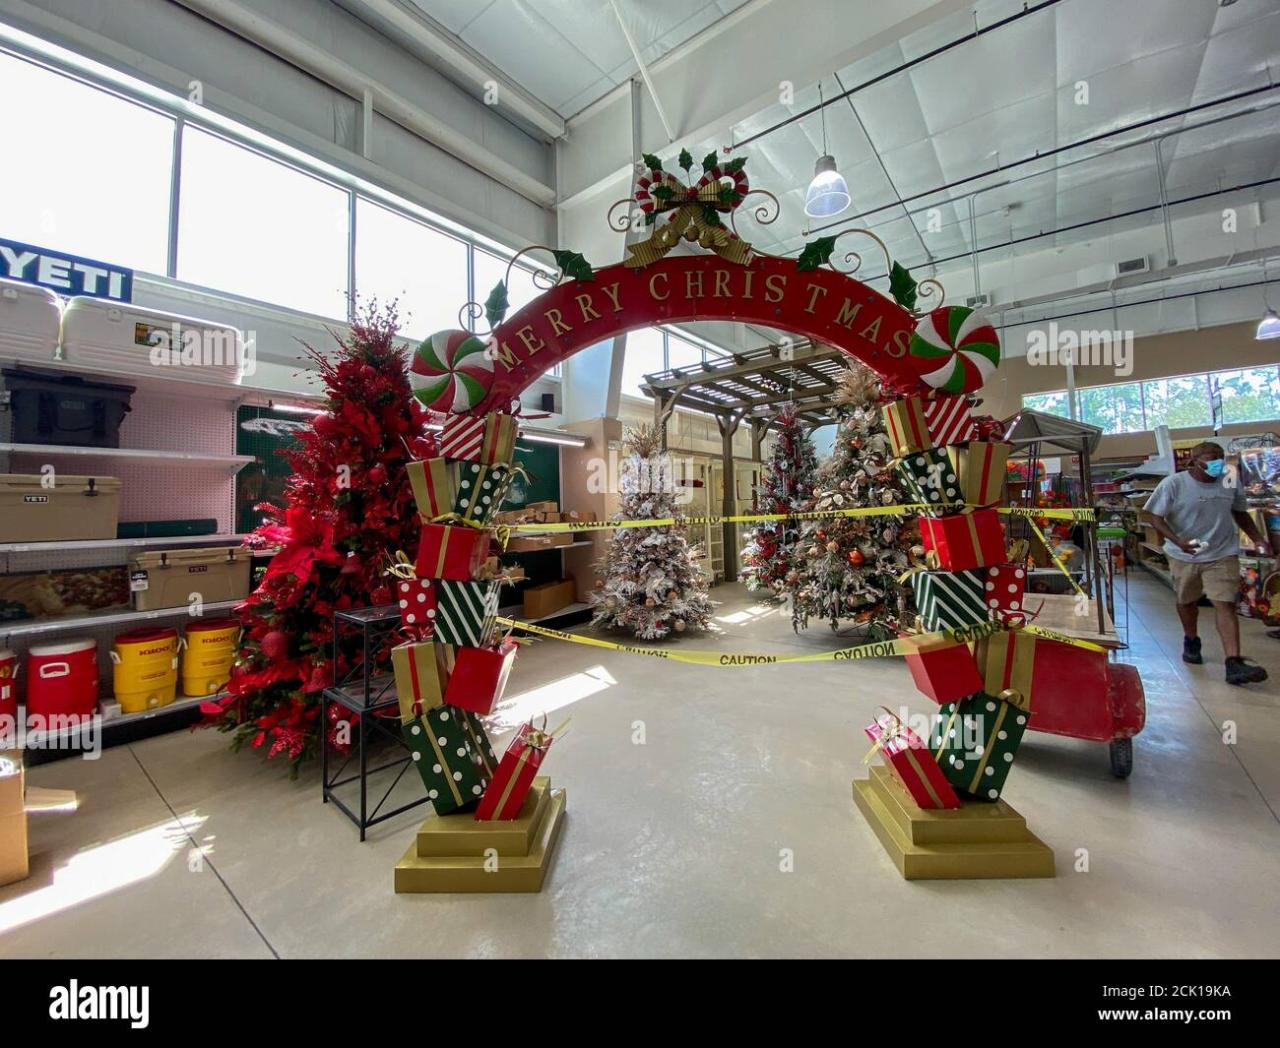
{"points": [[1214, 467]]}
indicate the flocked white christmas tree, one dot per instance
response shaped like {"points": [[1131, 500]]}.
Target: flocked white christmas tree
{"points": [[652, 583]]}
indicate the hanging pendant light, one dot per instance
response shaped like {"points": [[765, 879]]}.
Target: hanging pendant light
{"points": [[1268, 326], [828, 193]]}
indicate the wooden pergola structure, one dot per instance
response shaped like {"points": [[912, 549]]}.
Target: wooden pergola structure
{"points": [[752, 386]]}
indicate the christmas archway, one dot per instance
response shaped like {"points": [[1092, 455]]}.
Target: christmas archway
{"points": [[461, 372]]}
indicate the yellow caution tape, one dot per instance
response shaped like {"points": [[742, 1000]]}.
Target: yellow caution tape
{"points": [[1061, 567], [898, 510], [875, 649]]}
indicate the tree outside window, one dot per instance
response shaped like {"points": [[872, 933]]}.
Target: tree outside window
{"points": [[1114, 409], [1179, 403], [1250, 395]]}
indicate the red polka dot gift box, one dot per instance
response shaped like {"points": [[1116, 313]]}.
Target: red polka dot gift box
{"points": [[417, 600]]}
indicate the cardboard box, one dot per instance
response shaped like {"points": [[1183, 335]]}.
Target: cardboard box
{"points": [[168, 578], [74, 508], [538, 543], [579, 516], [550, 597], [17, 801]]}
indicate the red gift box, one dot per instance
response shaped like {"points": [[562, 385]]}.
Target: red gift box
{"points": [[417, 605], [944, 670], [1004, 591], [480, 676], [911, 763], [486, 438], [505, 794], [964, 540], [451, 551], [950, 420]]}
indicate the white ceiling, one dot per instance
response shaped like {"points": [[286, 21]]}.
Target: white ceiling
{"points": [[1011, 94], [568, 53]]}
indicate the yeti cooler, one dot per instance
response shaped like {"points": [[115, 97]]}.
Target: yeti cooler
{"points": [[68, 508], [176, 578], [30, 318], [49, 407], [120, 338]]}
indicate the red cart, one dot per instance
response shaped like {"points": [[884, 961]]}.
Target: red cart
{"points": [[1093, 696]]}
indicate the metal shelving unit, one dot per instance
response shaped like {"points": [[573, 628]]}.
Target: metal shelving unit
{"points": [[177, 459], [94, 619]]}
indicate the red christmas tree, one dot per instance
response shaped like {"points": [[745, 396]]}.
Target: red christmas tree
{"points": [[348, 504]]}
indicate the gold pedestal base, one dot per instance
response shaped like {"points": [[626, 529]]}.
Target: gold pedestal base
{"points": [[455, 853], [978, 840]]}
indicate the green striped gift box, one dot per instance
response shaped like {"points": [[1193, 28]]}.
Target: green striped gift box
{"points": [[949, 599], [465, 612]]}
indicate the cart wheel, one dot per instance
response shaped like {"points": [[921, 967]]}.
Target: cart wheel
{"points": [[1121, 758]]}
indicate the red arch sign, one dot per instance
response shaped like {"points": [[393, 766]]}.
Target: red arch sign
{"points": [[821, 304]]}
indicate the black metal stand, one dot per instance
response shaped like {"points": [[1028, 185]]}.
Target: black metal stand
{"points": [[371, 697]]}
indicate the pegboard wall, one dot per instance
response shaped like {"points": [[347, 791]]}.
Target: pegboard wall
{"points": [[152, 490]]}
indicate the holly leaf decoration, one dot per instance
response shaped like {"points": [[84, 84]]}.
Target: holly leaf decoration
{"points": [[573, 265], [709, 161], [652, 162], [815, 253], [710, 216], [497, 304], [686, 160], [729, 195], [902, 286], [734, 166], [662, 192]]}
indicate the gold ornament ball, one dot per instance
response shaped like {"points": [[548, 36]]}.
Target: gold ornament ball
{"points": [[679, 625], [650, 602], [833, 546]]}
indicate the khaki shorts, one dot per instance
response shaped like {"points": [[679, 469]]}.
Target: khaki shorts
{"points": [[1219, 580]]}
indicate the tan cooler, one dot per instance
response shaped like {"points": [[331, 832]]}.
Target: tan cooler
{"points": [[174, 578], [68, 508]]}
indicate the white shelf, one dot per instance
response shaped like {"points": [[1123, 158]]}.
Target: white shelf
{"points": [[184, 459], [38, 739], [513, 612], [93, 619], [168, 381], [76, 545]]}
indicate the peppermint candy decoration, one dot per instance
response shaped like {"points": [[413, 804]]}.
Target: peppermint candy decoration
{"points": [[451, 371], [956, 350]]}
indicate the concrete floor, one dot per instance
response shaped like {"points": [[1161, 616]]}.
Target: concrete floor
{"points": [[674, 848]]}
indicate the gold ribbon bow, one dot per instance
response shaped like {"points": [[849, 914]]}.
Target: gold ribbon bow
{"points": [[689, 221], [888, 733], [540, 738], [401, 567]]}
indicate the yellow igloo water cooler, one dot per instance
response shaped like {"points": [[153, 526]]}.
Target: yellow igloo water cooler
{"points": [[208, 655], [145, 668]]}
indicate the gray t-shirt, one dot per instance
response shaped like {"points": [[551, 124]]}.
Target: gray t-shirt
{"points": [[1199, 510]]}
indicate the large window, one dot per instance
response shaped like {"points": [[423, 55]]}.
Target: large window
{"points": [[489, 269], [1184, 402], [650, 350], [646, 353], [84, 171], [256, 227], [399, 258]]}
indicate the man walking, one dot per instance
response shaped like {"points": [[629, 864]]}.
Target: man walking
{"points": [[1199, 515]]}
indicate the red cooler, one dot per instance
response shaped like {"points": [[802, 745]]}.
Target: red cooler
{"points": [[63, 678], [8, 691]]}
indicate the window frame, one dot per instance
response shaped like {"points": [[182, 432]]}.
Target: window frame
{"points": [[1208, 377]]}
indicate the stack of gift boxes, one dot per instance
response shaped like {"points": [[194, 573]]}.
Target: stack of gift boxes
{"points": [[453, 667], [984, 687]]}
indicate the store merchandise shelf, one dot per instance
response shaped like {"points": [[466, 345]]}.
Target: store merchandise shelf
{"points": [[89, 620], [77, 545], [1159, 572], [184, 459], [41, 739], [513, 612], [1152, 547]]}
